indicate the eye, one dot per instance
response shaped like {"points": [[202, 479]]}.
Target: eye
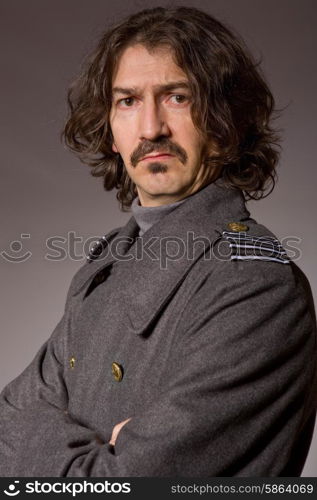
{"points": [[179, 98], [126, 102]]}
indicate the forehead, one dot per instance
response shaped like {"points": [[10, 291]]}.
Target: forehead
{"points": [[139, 67]]}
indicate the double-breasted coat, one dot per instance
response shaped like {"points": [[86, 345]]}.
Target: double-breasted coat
{"points": [[206, 341]]}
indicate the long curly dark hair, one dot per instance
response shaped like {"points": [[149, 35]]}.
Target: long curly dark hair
{"points": [[232, 104]]}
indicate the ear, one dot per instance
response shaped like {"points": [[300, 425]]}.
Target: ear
{"points": [[114, 148]]}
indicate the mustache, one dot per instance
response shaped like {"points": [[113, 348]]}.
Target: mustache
{"points": [[163, 144]]}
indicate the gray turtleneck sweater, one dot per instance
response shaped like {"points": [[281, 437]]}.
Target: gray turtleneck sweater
{"points": [[146, 217]]}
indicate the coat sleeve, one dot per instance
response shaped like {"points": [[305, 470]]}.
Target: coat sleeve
{"points": [[235, 399]]}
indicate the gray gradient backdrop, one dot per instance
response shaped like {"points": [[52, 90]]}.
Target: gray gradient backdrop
{"points": [[45, 191]]}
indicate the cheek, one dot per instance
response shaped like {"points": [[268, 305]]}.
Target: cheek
{"points": [[123, 138], [113, 132], [186, 132]]}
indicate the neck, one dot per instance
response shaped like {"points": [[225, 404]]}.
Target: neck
{"points": [[147, 216]]}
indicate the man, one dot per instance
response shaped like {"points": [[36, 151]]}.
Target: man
{"points": [[187, 347]]}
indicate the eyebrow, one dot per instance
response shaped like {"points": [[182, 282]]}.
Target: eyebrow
{"points": [[159, 88]]}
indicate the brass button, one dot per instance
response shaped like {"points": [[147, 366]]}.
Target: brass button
{"points": [[72, 362], [237, 227], [117, 371]]}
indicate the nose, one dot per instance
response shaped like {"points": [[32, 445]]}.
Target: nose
{"points": [[152, 121]]}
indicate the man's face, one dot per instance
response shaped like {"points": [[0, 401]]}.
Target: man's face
{"points": [[152, 126]]}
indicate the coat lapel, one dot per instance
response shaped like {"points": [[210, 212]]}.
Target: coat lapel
{"points": [[117, 241], [155, 264], [168, 250]]}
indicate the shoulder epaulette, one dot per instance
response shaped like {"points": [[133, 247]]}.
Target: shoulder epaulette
{"points": [[249, 247]]}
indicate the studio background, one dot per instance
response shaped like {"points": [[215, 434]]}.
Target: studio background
{"points": [[45, 191]]}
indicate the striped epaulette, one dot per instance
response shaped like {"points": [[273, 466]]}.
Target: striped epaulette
{"points": [[247, 247]]}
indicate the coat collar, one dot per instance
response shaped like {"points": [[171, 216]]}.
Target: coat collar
{"points": [[171, 248], [157, 263], [120, 239]]}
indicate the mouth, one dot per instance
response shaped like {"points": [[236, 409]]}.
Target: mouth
{"points": [[157, 156]]}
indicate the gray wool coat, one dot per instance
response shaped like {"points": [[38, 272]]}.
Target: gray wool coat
{"points": [[216, 356]]}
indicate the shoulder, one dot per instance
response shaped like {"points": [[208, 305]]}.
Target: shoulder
{"points": [[246, 257], [251, 242], [249, 280], [250, 266]]}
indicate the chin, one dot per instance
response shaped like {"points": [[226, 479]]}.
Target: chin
{"points": [[161, 186], [162, 183]]}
